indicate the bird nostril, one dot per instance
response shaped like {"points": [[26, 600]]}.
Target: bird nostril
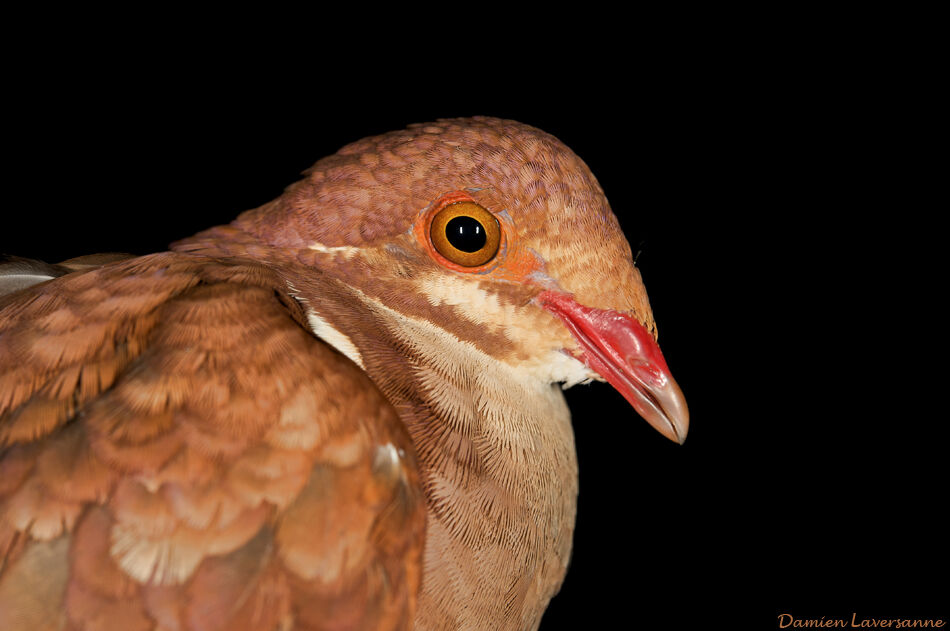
{"points": [[649, 373]]}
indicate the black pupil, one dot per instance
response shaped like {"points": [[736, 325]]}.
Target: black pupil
{"points": [[465, 233]]}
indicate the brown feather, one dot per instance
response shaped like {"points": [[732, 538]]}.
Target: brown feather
{"points": [[139, 446]]}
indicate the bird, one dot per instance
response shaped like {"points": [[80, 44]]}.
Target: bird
{"points": [[343, 410]]}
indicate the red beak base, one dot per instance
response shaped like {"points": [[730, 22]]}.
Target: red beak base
{"points": [[623, 352]]}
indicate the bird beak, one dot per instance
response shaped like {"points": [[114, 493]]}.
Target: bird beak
{"points": [[624, 353]]}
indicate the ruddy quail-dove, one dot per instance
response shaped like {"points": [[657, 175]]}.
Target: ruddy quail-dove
{"points": [[341, 411]]}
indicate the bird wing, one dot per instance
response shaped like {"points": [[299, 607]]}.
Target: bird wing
{"points": [[178, 451]]}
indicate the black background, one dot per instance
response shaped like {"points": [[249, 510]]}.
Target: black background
{"points": [[813, 474]]}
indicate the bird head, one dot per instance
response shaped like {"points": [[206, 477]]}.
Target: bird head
{"points": [[492, 230]]}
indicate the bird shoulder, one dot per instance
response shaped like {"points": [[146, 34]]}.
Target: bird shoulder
{"points": [[177, 448]]}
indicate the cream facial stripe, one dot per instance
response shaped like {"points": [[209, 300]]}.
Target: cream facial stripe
{"points": [[485, 309]]}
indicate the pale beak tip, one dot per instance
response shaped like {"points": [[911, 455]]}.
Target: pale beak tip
{"points": [[671, 416], [677, 428]]}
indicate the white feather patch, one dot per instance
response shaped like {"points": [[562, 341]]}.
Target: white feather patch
{"points": [[386, 455], [346, 250], [387, 461], [332, 336]]}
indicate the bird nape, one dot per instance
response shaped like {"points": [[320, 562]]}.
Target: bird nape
{"points": [[342, 410]]}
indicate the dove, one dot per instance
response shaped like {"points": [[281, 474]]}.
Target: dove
{"points": [[343, 410]]}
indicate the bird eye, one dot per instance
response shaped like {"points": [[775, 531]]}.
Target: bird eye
{"points": [[466, 234]]}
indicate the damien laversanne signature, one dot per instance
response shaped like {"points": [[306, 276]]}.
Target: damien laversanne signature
{"points": [[787, 620]]}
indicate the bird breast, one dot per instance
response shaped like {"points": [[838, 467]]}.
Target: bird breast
{"points": [[499, 470]]}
